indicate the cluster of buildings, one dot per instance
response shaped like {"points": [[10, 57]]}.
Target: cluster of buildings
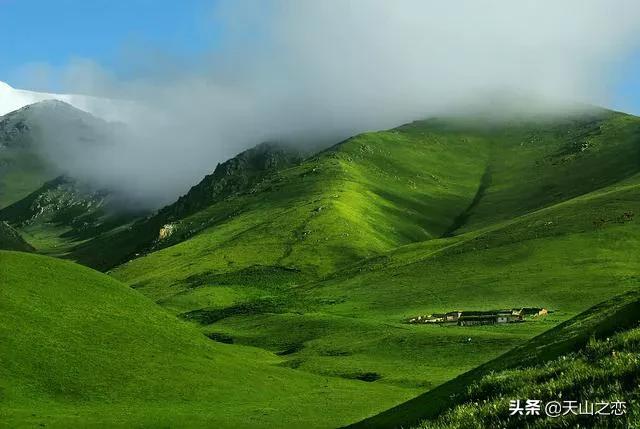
{"points": [[468, 318]]}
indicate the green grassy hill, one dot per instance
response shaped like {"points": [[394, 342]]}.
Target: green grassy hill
{"points": [[358, 199], [605, 371], [538, 165], [80, 349], [351, 322], [239, 175]]}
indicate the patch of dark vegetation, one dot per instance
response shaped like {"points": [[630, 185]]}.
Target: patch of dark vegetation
{"points": [[617, 219], [206, 316], [220, 337], [462, 218], [328, 301], [369, 377], [258, 275], [291, 349], [579, 140]]}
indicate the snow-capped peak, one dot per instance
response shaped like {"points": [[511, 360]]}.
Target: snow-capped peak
{"points": [[13, 99]]}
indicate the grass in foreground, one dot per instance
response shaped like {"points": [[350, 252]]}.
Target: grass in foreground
{"points": [[604, 371], [81, 349], [600, 322]]}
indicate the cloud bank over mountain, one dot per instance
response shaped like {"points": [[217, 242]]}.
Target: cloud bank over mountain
{"points": [[316, 72]]}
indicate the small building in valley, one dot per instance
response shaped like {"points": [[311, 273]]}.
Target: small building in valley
{"points": [[452, 316], [470, 318], [533, 311], [488, 319]]}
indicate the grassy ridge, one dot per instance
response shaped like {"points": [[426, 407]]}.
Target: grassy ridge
{"points": [[538, 258], [365, 196], [351, 323]]}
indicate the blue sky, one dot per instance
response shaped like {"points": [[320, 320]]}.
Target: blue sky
{"points": [[46, 35], [55, 32], [627, 92]]}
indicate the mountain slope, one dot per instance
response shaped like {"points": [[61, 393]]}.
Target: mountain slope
{"points": [[10, 239], [364, 196], [54, 211], [606, 369], [22, 170], [24, 144], [63, 213], [352, 322], [236, 176], [80, 349], [378, 191], [538, 165]]}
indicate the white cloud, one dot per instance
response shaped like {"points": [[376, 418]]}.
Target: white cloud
{"points": [[310, 71]]}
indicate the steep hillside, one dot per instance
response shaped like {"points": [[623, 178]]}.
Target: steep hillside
{"points": [[239, 175], [565, 258], [418, 182], [537, 165], [364, 196], [81, 349], [63, 213], [54, 211], [22, 170], [10, 239]]}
